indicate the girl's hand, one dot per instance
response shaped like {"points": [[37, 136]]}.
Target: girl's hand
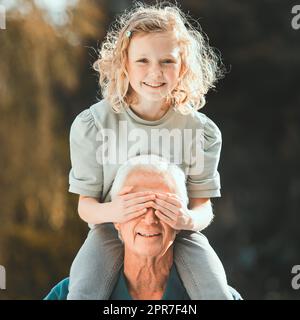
{"points": [[171, 209], [127, 206]]}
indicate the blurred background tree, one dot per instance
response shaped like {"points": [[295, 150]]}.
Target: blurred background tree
{"points": [[44, 68], [46, 79]]}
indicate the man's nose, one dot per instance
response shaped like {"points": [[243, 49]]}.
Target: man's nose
{"points": [[150, 217]]}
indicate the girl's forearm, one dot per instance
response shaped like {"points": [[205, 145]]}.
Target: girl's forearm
{"points": [[201, 216], [93, 212]]}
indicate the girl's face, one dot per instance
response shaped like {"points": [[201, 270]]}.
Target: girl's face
{"points": [[153, 65]]}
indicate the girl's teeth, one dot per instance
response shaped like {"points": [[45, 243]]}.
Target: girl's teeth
{"points": [[152, 85]]}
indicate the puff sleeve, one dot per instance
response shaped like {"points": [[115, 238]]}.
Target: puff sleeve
{"points": [[86, 174], [204, 182]]}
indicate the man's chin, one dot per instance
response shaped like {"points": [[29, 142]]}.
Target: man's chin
{"points": [[149, 249]]}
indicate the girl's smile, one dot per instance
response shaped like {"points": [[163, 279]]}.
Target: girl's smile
{"points": [[154, 86]]}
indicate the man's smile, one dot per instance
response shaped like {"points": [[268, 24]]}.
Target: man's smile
{"points": [[149, 235]]}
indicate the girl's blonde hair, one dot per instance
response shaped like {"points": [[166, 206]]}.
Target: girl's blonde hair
{"points": [[202, 66]]}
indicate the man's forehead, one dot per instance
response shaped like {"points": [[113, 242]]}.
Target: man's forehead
{"points": [[144, 181]]}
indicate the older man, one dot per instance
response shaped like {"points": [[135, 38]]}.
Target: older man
{"points": [[148, 243], [149, 271]]}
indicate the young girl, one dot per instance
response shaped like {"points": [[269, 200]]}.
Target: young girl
{"points": [[155, 70]]}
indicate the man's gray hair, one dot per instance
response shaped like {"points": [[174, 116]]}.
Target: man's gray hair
{"points": [[154, 164]]}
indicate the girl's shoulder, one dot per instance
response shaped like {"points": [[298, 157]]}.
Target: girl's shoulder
{"points": [[102, 112], [88, 122], [96, 115], [198, 120]]}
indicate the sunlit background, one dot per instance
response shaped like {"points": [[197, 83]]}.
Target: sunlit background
{"points": [[46, 79]]}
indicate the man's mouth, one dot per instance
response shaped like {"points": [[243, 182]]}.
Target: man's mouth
{"points": [[149, 235]]}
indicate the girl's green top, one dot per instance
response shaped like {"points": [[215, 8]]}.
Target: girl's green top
{"points": [[101, 140]]}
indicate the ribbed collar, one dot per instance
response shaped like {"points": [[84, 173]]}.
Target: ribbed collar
{"points": [[138, 119]]}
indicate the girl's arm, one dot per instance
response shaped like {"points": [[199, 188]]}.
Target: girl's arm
{"points": [[125, 206], [201, 213], [92, 211]]}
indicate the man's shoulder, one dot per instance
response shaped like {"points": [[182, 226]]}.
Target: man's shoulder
{"points": [[60, 291]]}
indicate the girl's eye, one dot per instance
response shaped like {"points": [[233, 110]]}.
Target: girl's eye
{"points": [[165, 61]]}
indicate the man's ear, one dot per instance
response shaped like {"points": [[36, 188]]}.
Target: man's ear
{"points": [[117, 226]]}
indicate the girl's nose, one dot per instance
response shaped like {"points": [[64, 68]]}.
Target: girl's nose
{"points": [[156, 70]]}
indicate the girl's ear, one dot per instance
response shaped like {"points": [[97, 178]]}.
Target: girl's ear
{"points": [[117, 226]]}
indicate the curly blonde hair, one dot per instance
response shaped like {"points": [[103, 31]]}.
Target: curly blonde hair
{"points": [[202, 66]]}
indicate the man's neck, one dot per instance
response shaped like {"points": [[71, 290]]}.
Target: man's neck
{"points": [[147, 278]]}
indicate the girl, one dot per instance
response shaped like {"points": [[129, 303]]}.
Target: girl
{"points": [[155, 70]]}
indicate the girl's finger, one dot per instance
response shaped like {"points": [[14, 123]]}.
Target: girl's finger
{"points": [[139, 199], [141, 206], [125, 190], [137, 194], [171, 215], [134, 215], [163, 217], [167, 205], [173, 200]]}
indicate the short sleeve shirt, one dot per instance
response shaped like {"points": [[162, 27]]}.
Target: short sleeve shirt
{"points": [[101, 140]]}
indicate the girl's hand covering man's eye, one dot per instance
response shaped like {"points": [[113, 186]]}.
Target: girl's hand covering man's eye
{"points": [[171, 209], [126, 205]]}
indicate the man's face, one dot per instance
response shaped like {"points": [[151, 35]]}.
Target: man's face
{"points": [[147, 235]]}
